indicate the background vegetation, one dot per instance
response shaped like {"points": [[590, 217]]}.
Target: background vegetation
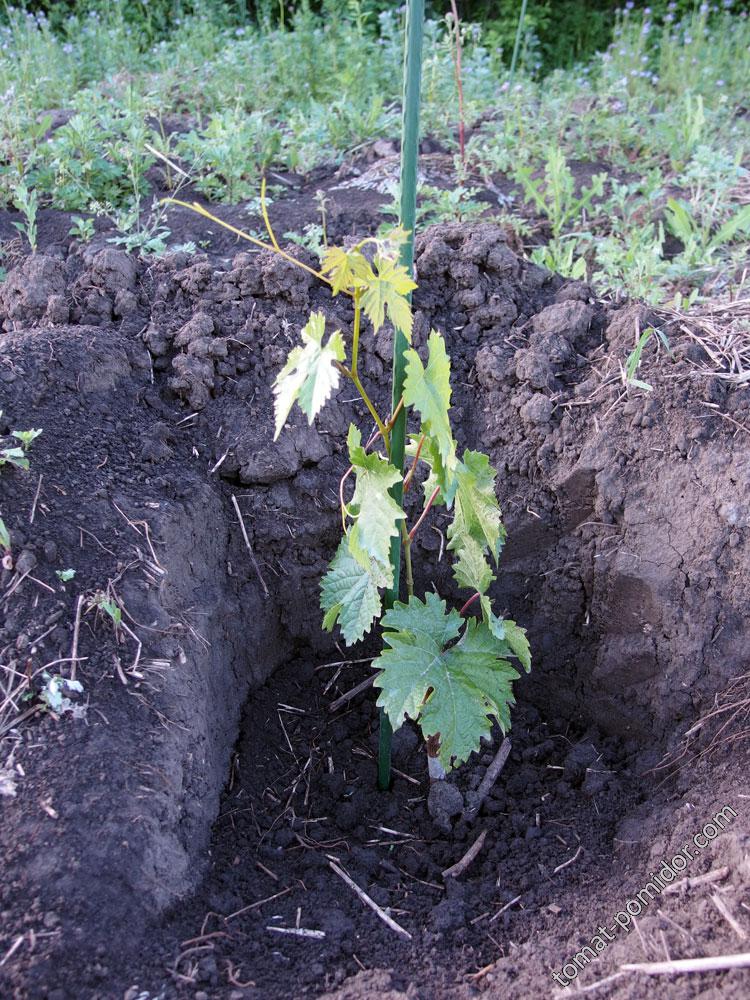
{"points": [[629, 168], [558, 33]]}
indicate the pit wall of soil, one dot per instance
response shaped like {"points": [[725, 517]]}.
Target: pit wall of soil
{"points": [[627, 518]]}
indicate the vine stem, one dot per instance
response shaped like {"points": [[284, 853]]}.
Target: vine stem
{"points": [[410, 474], [469, 603], [406, 540], [200, 210], [266, 220], [425, 512], [354, 374]]}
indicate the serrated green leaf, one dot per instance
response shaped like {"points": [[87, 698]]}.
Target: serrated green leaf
{"points": [[496, 625], [347, 269], [477, 513], [428, 390], [309, 375], [515, 636], [426, 620], [471, 569], [349, 595], [387, 289], [376, 514], [451, 691], [740, 222], [4, 536]]}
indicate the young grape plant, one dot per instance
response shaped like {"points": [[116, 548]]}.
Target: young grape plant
{"points": [[449, 670]]}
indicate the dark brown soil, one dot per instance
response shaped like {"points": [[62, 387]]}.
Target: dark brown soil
{"points": [[140, 829]]}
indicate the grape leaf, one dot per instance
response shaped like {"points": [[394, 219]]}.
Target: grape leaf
{"points": [[309, 375], [496, 625], [471, 569], [375, 511], [438, 476], [477, 513], [349, 595], [390, 242], [428, 390], [512, 635], [450, 691], [515, 636], [348, 269], [388, 287]]}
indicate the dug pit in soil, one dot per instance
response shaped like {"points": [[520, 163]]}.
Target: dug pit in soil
{"points": [[145, 833]]}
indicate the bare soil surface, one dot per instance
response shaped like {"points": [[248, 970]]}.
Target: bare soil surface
{"points": [[204, 771]]}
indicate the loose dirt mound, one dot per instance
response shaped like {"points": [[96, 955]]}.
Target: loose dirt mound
{"points": [[627, 514]]}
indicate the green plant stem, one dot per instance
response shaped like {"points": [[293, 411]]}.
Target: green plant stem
{"points": [[409, 156], [406, 539]]}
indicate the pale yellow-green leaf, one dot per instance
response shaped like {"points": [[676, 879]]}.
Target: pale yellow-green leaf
{"points": [[387, 290], [347, 269], [309, 375]]}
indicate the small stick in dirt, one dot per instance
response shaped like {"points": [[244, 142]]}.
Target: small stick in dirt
{"points": [[591, 986], [641, 938], [727, 914], [76, 630], [268, 871], [249, 546], [485, 787], [254, 906], [363, 686], [506, 907], [302, 932], [368, 901], [711, 963], [677, 927], [569, 861], [14, 586], [32, 515], [460, 866], [406, 777], [476, 976], [696, 880], [13, 949]]}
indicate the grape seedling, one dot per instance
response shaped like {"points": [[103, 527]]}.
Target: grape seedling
{"points": [[449, 673]]}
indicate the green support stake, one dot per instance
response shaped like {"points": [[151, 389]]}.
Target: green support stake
{"points": [[409, 156], [517, 45]]}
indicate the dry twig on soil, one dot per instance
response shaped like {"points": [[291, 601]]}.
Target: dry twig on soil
{"points": [[368, 901]]}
